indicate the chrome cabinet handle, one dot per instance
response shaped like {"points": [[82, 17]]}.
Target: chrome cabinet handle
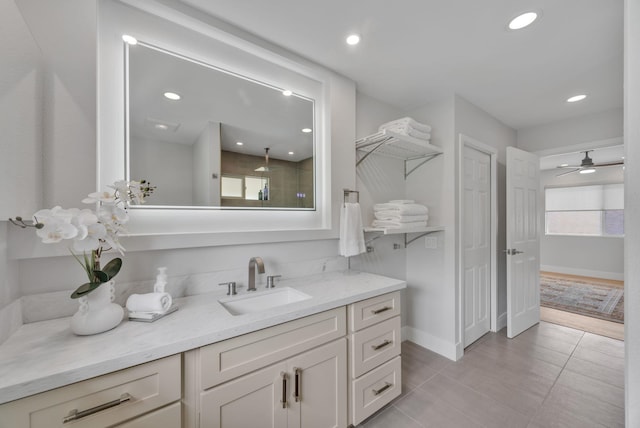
{"points": [[386, 386], [74, 415], [512, 251], [381, 310], [382, 345], [284, 390], [298, 373]]}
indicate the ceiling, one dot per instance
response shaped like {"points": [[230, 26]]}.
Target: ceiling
{"points": [[414, 52]]}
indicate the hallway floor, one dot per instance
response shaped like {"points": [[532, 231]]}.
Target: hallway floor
{"points": [[549, 376]]}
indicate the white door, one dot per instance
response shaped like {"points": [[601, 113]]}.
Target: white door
{"points": [[476, 242], [523, 241]]}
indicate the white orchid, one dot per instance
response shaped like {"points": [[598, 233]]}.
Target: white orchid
{"points": [[92, 232]]}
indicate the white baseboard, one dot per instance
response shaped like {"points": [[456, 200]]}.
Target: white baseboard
{"points": [[618, 276], [432, 343]]}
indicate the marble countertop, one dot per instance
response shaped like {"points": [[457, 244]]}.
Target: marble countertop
{"points": [[45, 355]]}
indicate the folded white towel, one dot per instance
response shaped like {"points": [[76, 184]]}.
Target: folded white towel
{"points": [[351, 232], [392, 224], [406, 209], [422, 127], [408, 130], [395, 216], [150, 302], [402, 201]]}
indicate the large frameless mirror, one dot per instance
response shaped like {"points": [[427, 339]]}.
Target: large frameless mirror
{"points": [[208, 137]]}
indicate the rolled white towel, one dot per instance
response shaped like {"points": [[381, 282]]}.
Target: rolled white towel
{"points": [[392, 224], [404, 121], [405, 209], [394, 216], [150, 302]]}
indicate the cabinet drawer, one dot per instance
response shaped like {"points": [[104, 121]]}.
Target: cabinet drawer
{"points": [[374, 345], [234, 357], [375, 389], [100, 401], [167, 417], [371, 311]]}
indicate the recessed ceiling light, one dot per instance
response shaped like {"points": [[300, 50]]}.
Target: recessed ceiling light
{"points": [[576, 98], [239, 143], [523, 20], [306, 130], [587, 171], [287, 93], [291, 153], [161, 126], [353, 39], [563, 165], [172, 96], [129, 39]]}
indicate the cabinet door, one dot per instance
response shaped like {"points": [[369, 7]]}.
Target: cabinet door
{"points": [[253, 400], [319, 377]]}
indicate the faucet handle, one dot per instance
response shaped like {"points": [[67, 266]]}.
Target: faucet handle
{"points": [[231, 288], [271, 280]]}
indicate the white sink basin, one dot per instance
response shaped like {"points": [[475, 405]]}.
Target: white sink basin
{"points": [[263, 300]]}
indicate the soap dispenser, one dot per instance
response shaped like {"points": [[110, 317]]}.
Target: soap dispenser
{"points": [[161, 280], [265, 193]]}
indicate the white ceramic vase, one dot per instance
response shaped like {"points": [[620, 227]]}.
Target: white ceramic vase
{"points": [[97, 312]]}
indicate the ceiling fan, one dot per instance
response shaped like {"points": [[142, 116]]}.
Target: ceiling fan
{"points": [[587, 166]]}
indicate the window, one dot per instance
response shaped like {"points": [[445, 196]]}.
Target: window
{"points": [[596, 210], [243, 187]]}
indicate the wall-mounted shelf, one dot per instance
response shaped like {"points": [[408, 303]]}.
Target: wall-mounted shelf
{"points": [[398, 146], [421, 231]]}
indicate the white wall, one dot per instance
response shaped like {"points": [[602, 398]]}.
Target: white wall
{"points": [[206, 162], [151, 159], [599, 257], [632, 212], [584, 129]]}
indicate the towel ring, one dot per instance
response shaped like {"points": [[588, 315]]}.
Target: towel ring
{"points": [[348, 193]]}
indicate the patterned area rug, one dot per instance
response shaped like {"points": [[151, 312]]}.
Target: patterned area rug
{"points": [[585, 297]]}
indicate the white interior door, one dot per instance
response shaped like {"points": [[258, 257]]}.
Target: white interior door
{"points": [[523, 241], [476, 242]]}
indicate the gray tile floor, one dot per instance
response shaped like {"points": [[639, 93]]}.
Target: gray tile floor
{"points": [[549, 376]]}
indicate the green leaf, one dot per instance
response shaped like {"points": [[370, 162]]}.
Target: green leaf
{"points": [[101, 276], [85, 289], [112, 268]]}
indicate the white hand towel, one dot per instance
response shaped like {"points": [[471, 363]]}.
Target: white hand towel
{"points": [[406, 209], [408, 130], [150, 302], [402, 201], [351, 232]]}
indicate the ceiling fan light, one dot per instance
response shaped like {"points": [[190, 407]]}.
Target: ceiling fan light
{"points": [[587, 171]]}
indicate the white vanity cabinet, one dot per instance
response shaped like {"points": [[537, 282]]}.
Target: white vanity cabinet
{"points": [[374, 355], [140, 396], [290, 375]]}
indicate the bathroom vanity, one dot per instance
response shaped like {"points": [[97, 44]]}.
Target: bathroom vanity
{"points": [[329, 360]]}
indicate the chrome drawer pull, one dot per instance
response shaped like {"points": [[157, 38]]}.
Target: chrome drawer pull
{"points": [[386, 386], [382, 345], [75, 414], [381, 310]]}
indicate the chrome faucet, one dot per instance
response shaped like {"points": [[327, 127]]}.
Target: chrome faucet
{"points": [[253, 261]]}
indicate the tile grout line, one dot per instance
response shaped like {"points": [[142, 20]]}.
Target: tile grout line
{"points": [[546, 397]]}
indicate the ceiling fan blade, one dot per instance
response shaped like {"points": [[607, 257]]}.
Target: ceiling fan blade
{"points": [[569, 166], [609, 164], [568, 172]]}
